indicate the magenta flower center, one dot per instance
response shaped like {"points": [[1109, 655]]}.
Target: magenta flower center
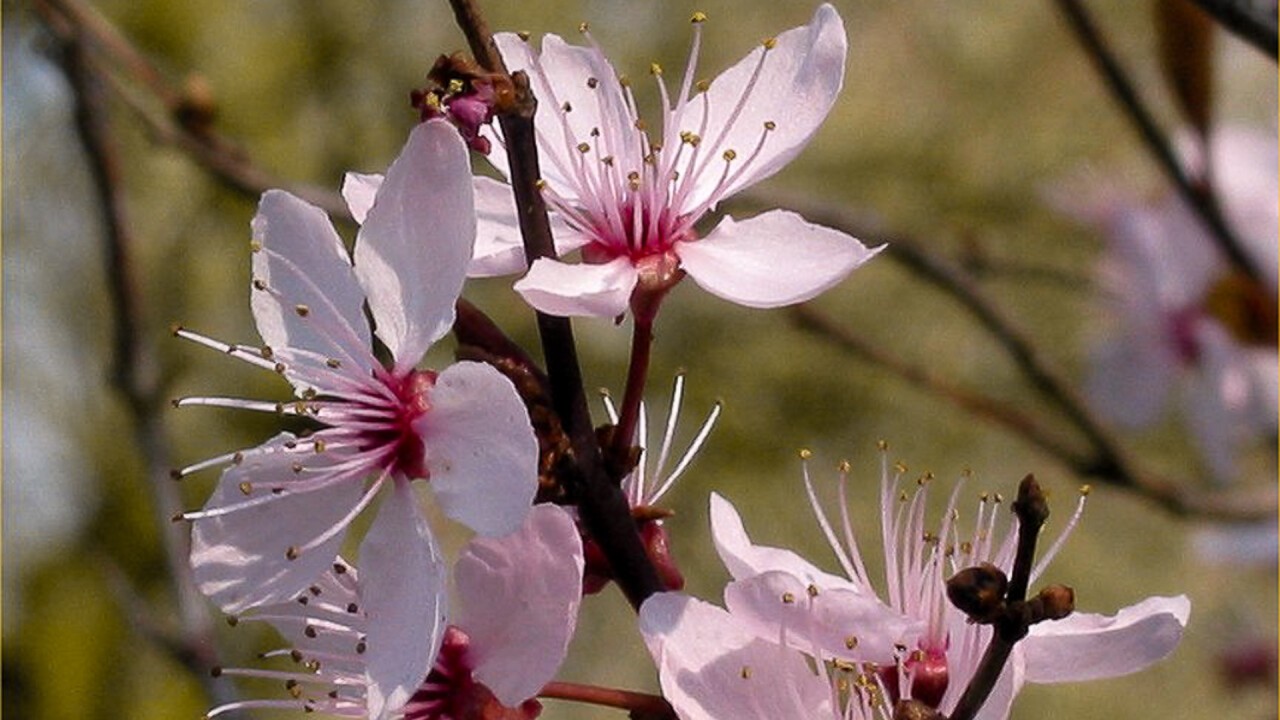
{"points": [[927, 673], [451, 693], [398, 436]]}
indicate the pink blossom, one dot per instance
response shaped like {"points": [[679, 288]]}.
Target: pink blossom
{"points": [[1181, 321], [280, 511], [630, 201], [518, 597], [931, 650]]}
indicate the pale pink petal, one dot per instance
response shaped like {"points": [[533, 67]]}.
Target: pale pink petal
{"points": [[1245, 180], [519, 597], [1086, 646], [1217, 399], [412, 252], [711, 669], [403, 590], [1264, 392], [359, 190], [1131, 376], [499, 249], [579, 289], [743, 559], [801, 77], [304, 294], [771, 260], [839, 621], [239, 558], [1255, 544], [564, 80], [481, 450]]}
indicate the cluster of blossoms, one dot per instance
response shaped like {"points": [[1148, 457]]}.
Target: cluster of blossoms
{"points": [[1184, 319], [348, 330], [797, 641]]}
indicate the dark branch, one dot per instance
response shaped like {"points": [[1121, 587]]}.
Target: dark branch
{"points": [[601, 503], [1254, 21]]}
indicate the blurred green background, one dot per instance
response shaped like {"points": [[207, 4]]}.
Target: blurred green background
{"points": [[955, 118]]}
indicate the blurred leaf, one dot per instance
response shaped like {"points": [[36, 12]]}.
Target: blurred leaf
{"points": [[1185, 37]]}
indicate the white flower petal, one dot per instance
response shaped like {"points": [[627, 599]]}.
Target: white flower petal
{"points": [[801, 77], [310, 299], [1245, 180], [499, 248], [711, 669], [519, 597], [743, 559], [567, 70], [481, 450], [239, 558], [771, 260], [1086, 646], [839, 621], [412, 252], [360, 190], [403, 590], [579, 289]]}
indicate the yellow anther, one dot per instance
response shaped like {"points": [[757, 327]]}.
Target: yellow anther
{"points": [[584, 148], [702, 86], [805, 453], [844, 466], [583, 27], [523, 35], [788, 598], [769, 43], [729, 155], [655, 69], [593, 83], [333, 363], [246, 488], [255, 246], [770, 126], [812, 590], [302, 310], [745, 673], [698, 17], [851, 642], [1085, 490]]}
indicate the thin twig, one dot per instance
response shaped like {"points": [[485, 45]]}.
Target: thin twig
{"points": [[601, 503], [133, 360], [217, 154], [1253, 21], [652, 707], [1031, 509], [1108, 462], [977, 404], [1195, 192]]}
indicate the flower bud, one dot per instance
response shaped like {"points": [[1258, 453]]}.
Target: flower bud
{"points": [[978, 591]]}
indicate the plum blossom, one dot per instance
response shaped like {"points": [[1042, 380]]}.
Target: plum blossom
{"points": [[935, 649], [1183, 321], [711, 667], [519, 602], [630, 201], [280, 511]]}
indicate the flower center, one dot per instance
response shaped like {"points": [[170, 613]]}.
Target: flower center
{"points": [[1245, 309], [927, 677], [451, 693], [405, 452]]}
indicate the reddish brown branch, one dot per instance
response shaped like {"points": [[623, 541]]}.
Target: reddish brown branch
{"points": [[650, 707], [601, 503]]}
